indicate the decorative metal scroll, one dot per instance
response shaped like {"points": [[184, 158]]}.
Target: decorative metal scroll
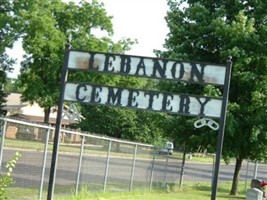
{"points": [[206, 122], [72, 113]]}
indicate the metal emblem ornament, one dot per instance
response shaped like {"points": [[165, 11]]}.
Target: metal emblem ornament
{"points": [[206, 122], [72, 113]]}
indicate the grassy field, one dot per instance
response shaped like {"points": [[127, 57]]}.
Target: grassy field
{"points": [[65, 147], [198, 191], [190, 191]]}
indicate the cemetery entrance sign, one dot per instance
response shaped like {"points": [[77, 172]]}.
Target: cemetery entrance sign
{"points": [[141, 99], [155, 68], [201, 73]]}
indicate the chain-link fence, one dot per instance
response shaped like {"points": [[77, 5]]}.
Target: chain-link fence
{"points": [[95, 163], [84, 161]]}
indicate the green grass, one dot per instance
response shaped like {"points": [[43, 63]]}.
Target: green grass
{"points": [[37, 145], [15, 193], [65, 147], [190, 191], [23, 144], [206, 159], [199, 191]]}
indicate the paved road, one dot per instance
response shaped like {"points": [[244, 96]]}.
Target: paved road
{"points": [[29, 169]]}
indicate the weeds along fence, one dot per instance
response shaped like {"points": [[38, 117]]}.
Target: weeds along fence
{"points": [[84, 161]]}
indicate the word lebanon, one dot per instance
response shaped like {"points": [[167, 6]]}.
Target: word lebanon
{"points": [[148, 67]]}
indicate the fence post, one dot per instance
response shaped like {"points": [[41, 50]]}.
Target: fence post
{"points": [[246, 175], [107, 166], [182, 169], [133, 166], [44, 163], [152, 170], [213, 167], [3, 134], [255, 170], [166, 166], [79, 167]]}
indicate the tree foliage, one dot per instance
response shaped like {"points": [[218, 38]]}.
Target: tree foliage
{"points": [[46, 26], [210, 31], [139, 126], [8, 25], [8, 35], [11, 86]]}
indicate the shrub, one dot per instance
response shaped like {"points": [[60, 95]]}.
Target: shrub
{"points": [[6, 179]]}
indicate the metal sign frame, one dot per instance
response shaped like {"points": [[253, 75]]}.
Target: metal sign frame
{"points": [[192, 72], [147, 67], [181, 104]]}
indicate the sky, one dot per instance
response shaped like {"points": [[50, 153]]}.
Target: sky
{"points": [[136, 19]]}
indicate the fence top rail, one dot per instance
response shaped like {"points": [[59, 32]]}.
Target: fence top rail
{"points": [[26, 123], [105, 138], [46, 126]]}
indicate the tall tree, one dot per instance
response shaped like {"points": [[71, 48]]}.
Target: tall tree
{"points": [[46, 26], [8, 35], [180, 129], [210, 31], [11, 86], [5, 66]]}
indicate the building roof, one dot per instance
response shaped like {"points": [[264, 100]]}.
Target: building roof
{"points": [[10, 107], [30, 112], [14, 99], [39, 119]]}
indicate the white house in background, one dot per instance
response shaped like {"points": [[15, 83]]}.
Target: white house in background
{"points": [[15, 108]]}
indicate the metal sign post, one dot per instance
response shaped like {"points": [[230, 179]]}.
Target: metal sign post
{"points": [[63, 80], [220, 137], [146, 67]]}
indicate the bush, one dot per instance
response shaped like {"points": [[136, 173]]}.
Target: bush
{"points": [[6, 179]]}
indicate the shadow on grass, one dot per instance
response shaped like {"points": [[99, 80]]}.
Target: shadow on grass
{"points": [[222, 189], [224, 192], [230, 197], [202, 188]]}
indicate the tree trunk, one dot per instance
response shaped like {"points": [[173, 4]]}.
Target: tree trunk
{"points": [[238, 166], [47, 115]]}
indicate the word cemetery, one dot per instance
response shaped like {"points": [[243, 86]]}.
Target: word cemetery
{"points": [[147, 100]]}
